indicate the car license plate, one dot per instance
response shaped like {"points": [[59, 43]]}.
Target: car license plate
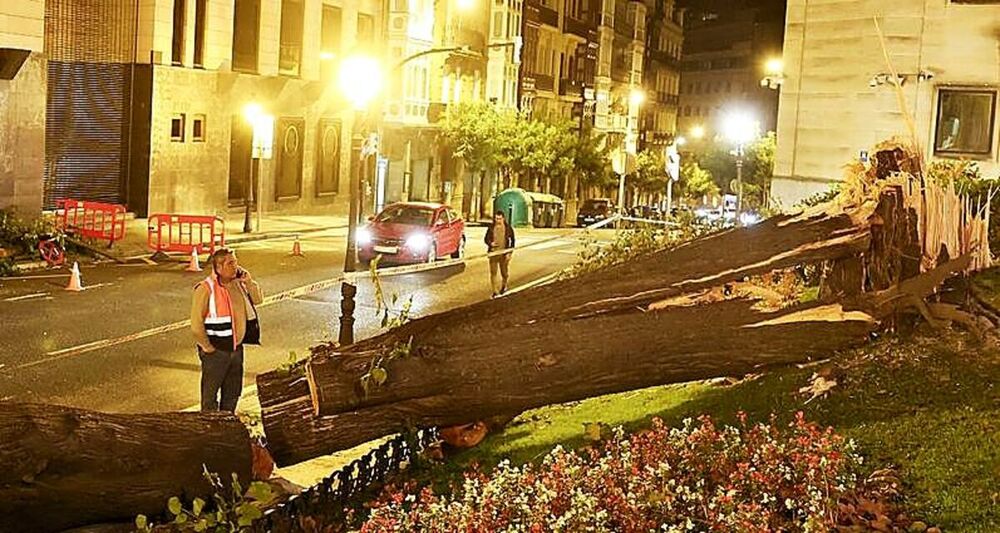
{"points": [[588, 219], [386, 249]]}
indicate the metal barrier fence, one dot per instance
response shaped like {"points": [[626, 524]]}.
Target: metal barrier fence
{"points": [[327, 500], [184, 233], [95, 220]]}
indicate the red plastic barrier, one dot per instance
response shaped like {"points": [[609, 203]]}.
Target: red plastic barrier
{"points": [[183, 233], [96, 220]]}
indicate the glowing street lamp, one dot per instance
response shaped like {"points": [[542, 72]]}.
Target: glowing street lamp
{"points": [[740, 129], [361, 80], [697, 132], [774, 73], [636, 97]]}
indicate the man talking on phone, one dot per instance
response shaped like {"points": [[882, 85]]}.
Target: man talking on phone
{"points": [[223, 319]]}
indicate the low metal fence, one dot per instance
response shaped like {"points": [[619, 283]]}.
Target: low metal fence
{"points": [[326, 501]]}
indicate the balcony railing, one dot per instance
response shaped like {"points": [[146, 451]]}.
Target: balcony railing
{"points": [[571, 88], [548, 16], [665, 58], [543, 82], [579, 28]]}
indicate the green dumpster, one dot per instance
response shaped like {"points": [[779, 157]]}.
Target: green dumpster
{"points": [[525, 208]]}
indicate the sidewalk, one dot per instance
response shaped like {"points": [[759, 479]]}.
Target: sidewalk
{"points": [[135, 245]]}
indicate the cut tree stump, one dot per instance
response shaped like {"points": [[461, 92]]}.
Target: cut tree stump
{"points": [[64, 467]]}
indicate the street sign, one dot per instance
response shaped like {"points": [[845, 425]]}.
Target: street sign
{"points": [[672, 162], [263, 137]]}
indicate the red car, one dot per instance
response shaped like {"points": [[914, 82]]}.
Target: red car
{"points": [[412, 232]]}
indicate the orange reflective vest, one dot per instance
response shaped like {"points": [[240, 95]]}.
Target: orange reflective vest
{"points": [[219, 318]]}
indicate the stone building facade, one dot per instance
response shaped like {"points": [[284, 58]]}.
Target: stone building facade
{"points": [[23, 74], [838, 99]]}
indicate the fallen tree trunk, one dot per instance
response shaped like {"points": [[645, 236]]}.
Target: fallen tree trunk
{"points": [[66, 467], [606, 331], [458, 378]]}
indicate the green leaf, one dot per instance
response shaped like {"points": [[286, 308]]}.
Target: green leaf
{"points": [[247, 513], [394, 298], [197, 506], [201, 525], [260, 492], [181, 519], [174, 505], [379, 375], [141, 522]]}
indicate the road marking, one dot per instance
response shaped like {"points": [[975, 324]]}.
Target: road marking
{"points": [[107, 343], [293, 293], [25, 297]]}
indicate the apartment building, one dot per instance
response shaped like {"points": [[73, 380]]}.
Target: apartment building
{"points": [[839, 99], [723, 62], [661, 74]]}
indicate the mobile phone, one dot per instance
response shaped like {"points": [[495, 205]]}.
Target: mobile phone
{"points": [[240, 273]]}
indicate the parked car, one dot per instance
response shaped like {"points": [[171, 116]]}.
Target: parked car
{"points": [[412, 232], [595, 210]]}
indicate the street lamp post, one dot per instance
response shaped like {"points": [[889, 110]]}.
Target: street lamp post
{"points": [[741, 129], [360, 82], [261, 139]]}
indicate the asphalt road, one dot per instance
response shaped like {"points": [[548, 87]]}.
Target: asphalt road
{"points": [[78, 348]]}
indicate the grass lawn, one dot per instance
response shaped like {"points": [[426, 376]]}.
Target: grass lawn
{"points": [[928, 406]]}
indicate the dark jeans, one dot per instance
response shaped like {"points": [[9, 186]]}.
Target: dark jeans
{"points": [[221, 371]]}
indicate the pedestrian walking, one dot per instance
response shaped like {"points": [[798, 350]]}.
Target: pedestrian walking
{"points": [[499, 236], [223, 320]]}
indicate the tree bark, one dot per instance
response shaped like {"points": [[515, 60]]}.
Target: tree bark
{"points": [[62, 467]]}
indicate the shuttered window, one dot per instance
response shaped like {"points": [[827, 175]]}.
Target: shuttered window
{"points": [[90, 46]]}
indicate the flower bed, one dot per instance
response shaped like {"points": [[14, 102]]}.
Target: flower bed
{"points": [[761, 477]]}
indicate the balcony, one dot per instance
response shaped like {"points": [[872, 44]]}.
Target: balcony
{"points": [[580, 28], [548, 16], [571, 88], [664, 58], [544, 82], [436, 111]]}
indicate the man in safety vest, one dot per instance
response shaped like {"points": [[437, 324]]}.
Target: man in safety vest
{"points": [[223, 319]]}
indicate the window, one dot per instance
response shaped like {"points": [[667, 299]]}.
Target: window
{"points": [[290, 52], [177, 48], [199, 32], [289, 145], [366, 29], [177, 127], [246, 35], [965, 122], [498, 24], [330, 41], [198, 128], [687, 111]]}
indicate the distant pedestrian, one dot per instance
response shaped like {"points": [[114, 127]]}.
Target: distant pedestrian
{"points": [[223, 319], [499, 236]]}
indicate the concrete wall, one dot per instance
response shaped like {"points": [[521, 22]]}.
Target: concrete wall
{"points": [[22, 108], [828, 112]]}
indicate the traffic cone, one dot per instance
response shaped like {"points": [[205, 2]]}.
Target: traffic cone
{"points": [[193, 265], [297, 249], [75, 284]]}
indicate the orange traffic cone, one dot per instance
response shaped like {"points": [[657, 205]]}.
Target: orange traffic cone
{"points": [[75, 284], [193, 265], [297, 249]]}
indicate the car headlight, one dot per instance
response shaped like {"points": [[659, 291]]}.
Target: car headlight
{"points": [[749, 219], [418, 242], [363, 236]]}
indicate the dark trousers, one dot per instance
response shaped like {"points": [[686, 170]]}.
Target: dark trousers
{"points": [[221, 371]]}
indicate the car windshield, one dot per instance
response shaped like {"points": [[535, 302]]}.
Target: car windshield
{"points": [[405, 214], [595, 205]]}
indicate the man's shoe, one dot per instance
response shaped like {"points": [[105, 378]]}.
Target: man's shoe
{"points": [[503, 290], [494, 295]]}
